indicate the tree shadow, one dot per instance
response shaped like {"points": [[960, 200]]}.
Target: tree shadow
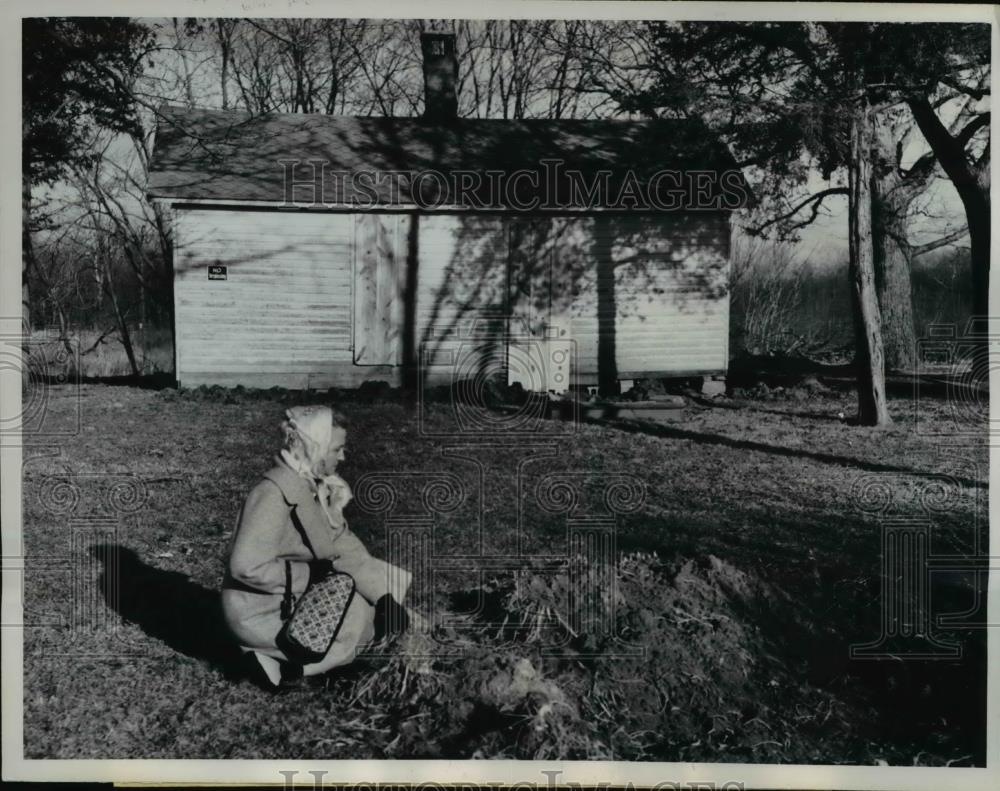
{"points": [[704, 438], [817, 416], [603, 278], [607, 310], [166, 605], [816, 605]]}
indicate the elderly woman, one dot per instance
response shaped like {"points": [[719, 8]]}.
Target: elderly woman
{"points": [[295, 514]]}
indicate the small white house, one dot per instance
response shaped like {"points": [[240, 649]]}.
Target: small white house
{"points": [[313, 251]]}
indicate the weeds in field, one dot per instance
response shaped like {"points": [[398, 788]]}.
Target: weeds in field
{"points": [[99, 356], [783, 305]]}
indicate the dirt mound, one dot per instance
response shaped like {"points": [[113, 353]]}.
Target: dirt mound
{"points": [[645, 660], [704, 665]]}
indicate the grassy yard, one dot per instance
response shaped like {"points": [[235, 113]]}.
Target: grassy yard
{"points": [[751, 566]]}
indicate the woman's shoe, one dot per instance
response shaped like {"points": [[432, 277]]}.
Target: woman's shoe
{"points": [[262, 671], [269, 673], [391, 618]]}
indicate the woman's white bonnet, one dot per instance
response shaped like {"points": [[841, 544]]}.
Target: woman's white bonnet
{"points": [[314, 423]]}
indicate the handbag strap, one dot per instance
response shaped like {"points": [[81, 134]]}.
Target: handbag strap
{"points": [[300, 528], [287, 600]]}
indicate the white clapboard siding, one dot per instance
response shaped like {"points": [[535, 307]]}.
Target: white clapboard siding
{"points": [[537, 360], [664, 281], [317, 299], [284, 311], [380, 261], [461, 291]]}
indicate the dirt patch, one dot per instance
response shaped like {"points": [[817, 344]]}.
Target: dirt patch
{"points": [[682, 674]]}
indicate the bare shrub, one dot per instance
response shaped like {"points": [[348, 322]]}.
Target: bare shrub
{"points": [[770, 292], [765, 291]]}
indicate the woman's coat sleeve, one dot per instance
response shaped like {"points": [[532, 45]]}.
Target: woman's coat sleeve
{"points": [[373, 577], [258, 558]]}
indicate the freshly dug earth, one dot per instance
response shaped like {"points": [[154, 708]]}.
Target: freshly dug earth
{"points": [[685, 673]]}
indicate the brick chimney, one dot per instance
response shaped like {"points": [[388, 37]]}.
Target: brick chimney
{"points": [[440, 76]]}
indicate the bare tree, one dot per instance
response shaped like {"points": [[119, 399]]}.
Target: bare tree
{"points": [[896, 192], [525, 68]]}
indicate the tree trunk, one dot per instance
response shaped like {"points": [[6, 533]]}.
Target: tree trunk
{"points": [[224, 77], [977, 213], [892, 195], [972, 184], [410, 351], [892, 277], [224, 35], [122, 327], [872, 406], [607, 362]]}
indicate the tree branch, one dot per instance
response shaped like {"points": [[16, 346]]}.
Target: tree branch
{"points": [[945, 240], [816, 200], [967, 133], [949, 153], [922, 169], [968, 90]]}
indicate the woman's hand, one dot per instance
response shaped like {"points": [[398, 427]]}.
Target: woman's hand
{"points": [[340, 491], [391, 618], [319, 570]]}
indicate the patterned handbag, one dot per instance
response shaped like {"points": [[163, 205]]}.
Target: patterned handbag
{"points": [[313, 625]]}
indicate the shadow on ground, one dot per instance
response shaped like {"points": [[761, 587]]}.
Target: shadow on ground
{"points": [[166, 605], [671, 432], [157, 381]]}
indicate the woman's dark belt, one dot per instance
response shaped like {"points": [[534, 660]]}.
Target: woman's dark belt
{"points": [[230, 583]]}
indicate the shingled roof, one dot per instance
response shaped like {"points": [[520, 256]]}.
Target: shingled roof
{"points": [[233, 156]]}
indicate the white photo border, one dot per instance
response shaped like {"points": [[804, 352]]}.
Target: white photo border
{"points": [[532, 773]]}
